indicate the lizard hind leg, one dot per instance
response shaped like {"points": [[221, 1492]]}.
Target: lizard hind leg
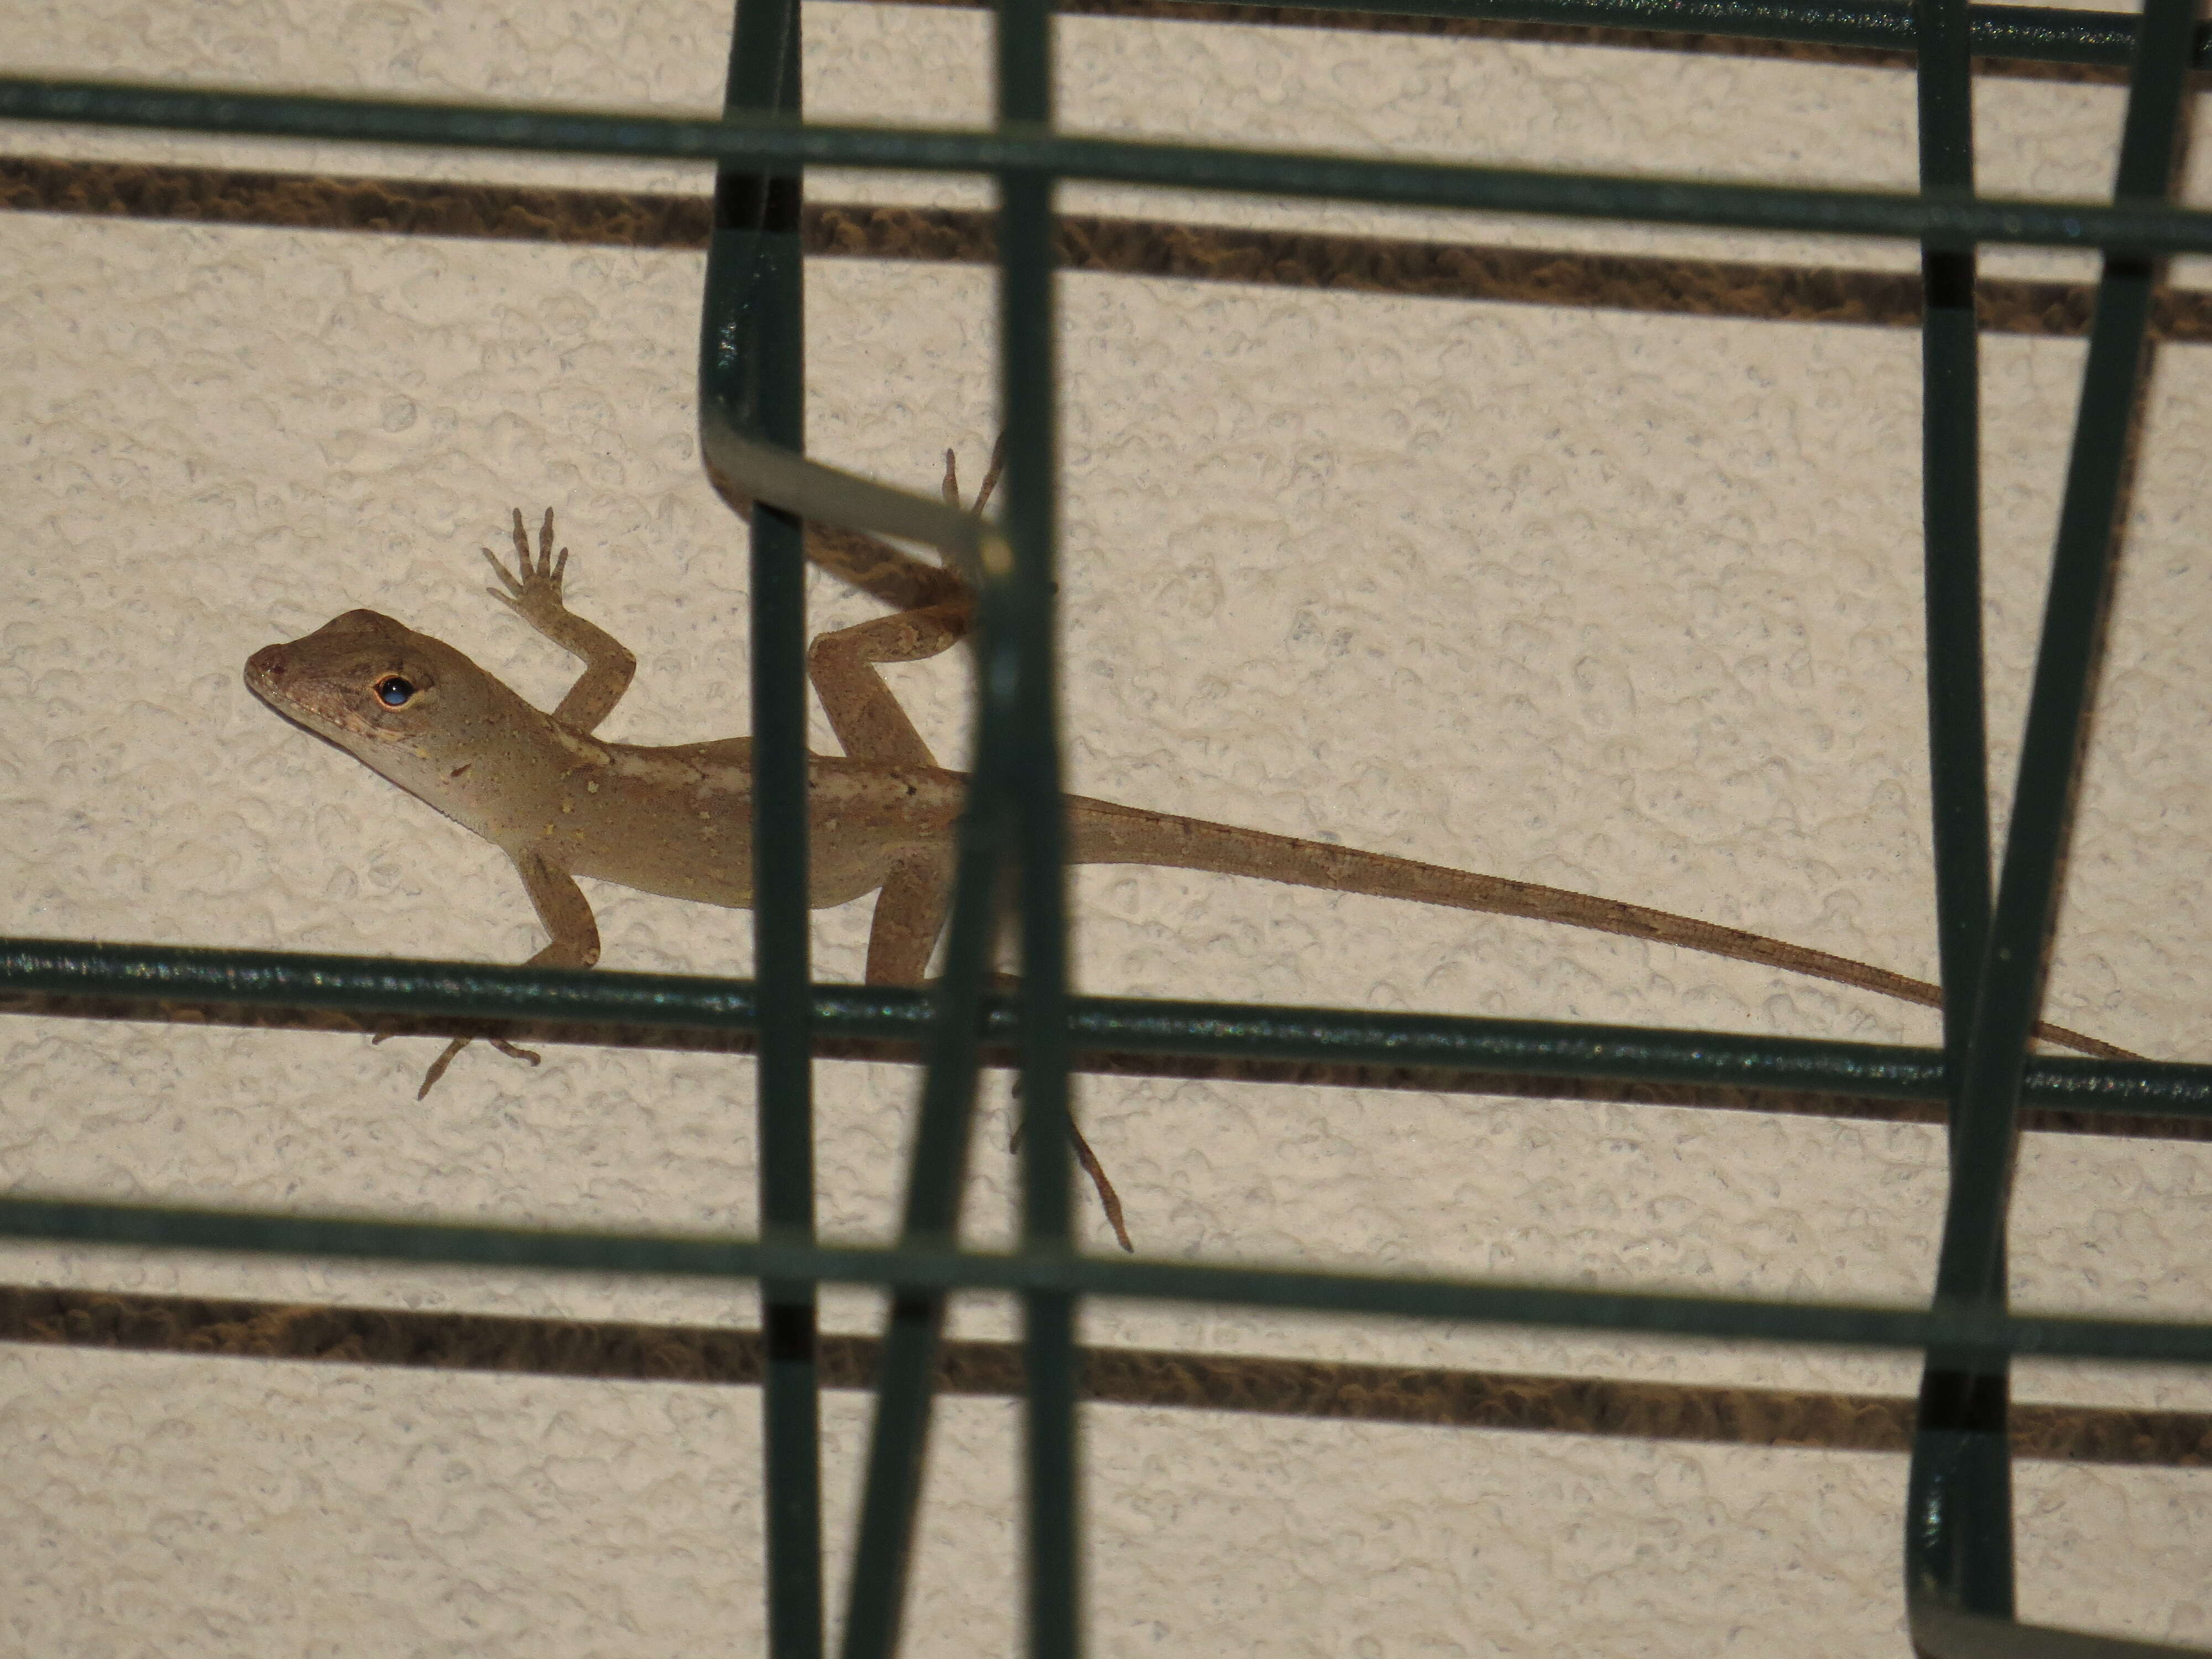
{"points": [[866, 716], [1108, 1200], [909, 915]]}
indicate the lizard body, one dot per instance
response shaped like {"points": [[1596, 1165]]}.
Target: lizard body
{"points": [[677, 820]]}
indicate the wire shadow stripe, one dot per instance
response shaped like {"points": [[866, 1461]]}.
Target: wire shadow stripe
{"points": [[1089, 243], [1421, 1397]]}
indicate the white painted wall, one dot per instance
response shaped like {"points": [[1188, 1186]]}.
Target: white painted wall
{"points": [[1625, 604]]}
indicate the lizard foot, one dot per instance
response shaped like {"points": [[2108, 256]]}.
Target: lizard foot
{"points": [[536, 592], [950, 489], [437, 1065], [1108, 1200]]}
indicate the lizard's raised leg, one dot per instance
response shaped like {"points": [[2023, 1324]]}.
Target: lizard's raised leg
{"points": [[869, 724], [567, 915], [535, 596], [862, 711], [867, 562], [872, 726]]}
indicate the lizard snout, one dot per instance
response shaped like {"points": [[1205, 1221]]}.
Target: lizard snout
{"points": [[267, 664], [267, 671]]}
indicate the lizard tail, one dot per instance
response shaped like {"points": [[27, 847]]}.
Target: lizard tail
{"points": [[1104, 832]]}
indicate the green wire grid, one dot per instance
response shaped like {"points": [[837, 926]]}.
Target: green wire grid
{"points": [[1992, 937]]}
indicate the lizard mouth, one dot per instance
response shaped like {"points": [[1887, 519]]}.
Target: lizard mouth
{"points": [[267, 673]]}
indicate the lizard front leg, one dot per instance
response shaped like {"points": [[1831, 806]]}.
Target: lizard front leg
{"points": [[535, 596], [567, 915]]}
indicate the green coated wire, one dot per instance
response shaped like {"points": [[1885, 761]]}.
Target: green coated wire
{"points": [[1014, 817]]}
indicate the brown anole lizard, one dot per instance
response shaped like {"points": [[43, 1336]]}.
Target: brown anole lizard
{"points": [[677, 820]]}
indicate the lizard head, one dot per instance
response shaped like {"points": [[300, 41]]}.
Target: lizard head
{"points": [[394, 699], [360, 679]]}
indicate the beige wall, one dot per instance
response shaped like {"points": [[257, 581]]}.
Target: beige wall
{"points": [[1622, 603]]}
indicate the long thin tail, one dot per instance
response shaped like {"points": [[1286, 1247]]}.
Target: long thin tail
{"points": [[1104, 832]]}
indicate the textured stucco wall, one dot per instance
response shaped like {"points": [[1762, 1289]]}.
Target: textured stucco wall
{"points": [[1625, 604]]}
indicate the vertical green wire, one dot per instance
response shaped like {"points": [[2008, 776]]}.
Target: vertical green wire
{"points": [[1951, 503], [1958, 1530], [2088, 544], [752, 373], [1958, 1519], [899, 1438], [1028, 363], [1013, 821]]}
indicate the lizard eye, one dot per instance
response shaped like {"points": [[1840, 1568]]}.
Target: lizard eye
{"points": [[393, 692]]}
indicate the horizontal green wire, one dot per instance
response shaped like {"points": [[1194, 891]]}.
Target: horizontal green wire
{"points": [[681, 1255], [2047, 34], [1219, 1031], [770, 144], [2036, 33]]}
